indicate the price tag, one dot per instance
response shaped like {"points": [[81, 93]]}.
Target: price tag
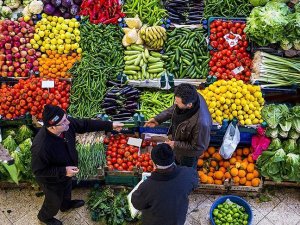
{"points": [[232, 41], [237, 70], [48, 84], [0, 135], [135, 141]]}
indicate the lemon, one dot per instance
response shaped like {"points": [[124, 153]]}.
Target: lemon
{"points": [[228, 102], [43, 49], [60, 19], [49, 27], [242, 122], [258, 94], [32, 41], [68, 41], [246, 116], [53, 41], [251, 106], [47, 40], [44, 21], [250, 111], [248, 122], [238, 95], [233, 106], [239, 107], [233, 90], [75, 46], [257, 113], [67, 47], [40, 42], [225, 106], [77, 33], [219, 120], [41, 33], [61, 48], [64, 27], [35, 46], [255, 121], [54, 18], [26, 18], [231, 117], [36, 37], [240, 117], [53, 47], [38, 24], [70, 29], [213, 115], [44, 15], [76, 24], [43, 27], [58, 27], [222, 100], [78, 39], [62, 36], [47, 33], [212, 104], [237, 101], [55, 31], [251, 116], [60, 41], [47, 46], [211, 110], [240, 112], [66, 51], [218, 113], [66, 21], [246, 108]]}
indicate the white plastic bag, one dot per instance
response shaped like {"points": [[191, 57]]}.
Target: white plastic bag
{"points": [[230, 141]]}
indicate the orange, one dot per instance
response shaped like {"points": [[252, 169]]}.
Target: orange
{"points": [[206, 155], [210, 174], [250, 167], [255, 173], [218, 182], [239, 152], [248, 183], [243, 180], [217, 156], [202, 156], [244, 165], [212, 169], [213, 163], [227, 175], [234, 172], [222, 169], [249, 176], [242, 173], [255, 182], [250, 159], [218, 175], [246, 151], [238, 158], [221, 163], [210, 180], [211, 150], [236, 179], [232, 160], [203, 178], [226, 164], [200, 162]]}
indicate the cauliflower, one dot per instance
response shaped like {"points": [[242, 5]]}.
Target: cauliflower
{"points": [[12, 4], [26, 2], [5, 12], [26, 11], [36, 7]]}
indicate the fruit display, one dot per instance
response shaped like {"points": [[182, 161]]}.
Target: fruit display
{"points": [[234, 99], [18, 58], [29, 96], [187, 53], [56, 33], [56, 65], [230, 213], [153, 36], [239, 169], [142, 64], [230, 58], [124, 157]]}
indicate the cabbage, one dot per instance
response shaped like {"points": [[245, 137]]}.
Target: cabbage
{"points": [[282, 133], [272, 133], [296, 120], [272, 114], [258, 2], [275, 144], [293, 134], [23, 133], [286, 122], [267, 24], [292, 167], [285, 44], [10, 144], [289, 145]]}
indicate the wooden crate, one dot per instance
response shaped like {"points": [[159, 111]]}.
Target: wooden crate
{"points": [[269, 182], [245, 190], [213, 188], [123, 178]]}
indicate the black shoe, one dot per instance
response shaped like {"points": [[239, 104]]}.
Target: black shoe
{"points": [[52, 221], [73, 205]]}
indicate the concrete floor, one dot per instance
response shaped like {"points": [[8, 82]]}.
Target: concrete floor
{"points": [[20, 207]]}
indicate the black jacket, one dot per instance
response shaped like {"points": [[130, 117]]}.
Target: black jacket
{"points": [[192, 136], [51, 153], [163, 198]]}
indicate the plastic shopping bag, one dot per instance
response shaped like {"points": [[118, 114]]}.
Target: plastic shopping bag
{"points": [[230, 141]]}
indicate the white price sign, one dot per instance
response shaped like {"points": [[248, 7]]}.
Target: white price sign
{"points": [[48, 84], [232, 41], [237, 70]]}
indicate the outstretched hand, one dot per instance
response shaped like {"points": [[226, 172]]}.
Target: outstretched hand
{"points": [[151, 123], [117, 126]]}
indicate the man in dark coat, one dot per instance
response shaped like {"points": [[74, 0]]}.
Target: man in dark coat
{"points": [[55, 159], [163, 197], [190, 125]]}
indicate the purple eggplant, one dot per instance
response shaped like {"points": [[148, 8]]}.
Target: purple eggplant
{"points": [[56, 3], [62, 9], [66, 3], [74, 10]]}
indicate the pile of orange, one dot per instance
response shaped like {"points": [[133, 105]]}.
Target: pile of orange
{"points": [[54, 65], [240, 168]]}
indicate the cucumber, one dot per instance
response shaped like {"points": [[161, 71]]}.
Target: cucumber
{"points": [[131, 57], [132, 52], [130, 72], [131, 62], [147, 53], [156, 66], [158, 70], [137, 48], [155, 54], [153, 59], [132, 68], [137, 61]]}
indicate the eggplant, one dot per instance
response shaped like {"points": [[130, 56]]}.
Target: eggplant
{"points": [[106, 104], [131, 106], [112, 83], [129, 102], [133, 98], [132, 92], [125, 90], [114, 107], [106, 99], [121, 119], [122, 115], [111, 95]]}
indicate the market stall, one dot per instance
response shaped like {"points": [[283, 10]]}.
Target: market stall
{"points": [[121, 61]]}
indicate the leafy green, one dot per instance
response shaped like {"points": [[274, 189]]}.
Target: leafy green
{"points": [[293, 134], [272, 114], [272, 133], [109, 206], [9, 131], [289, 145], [24, 160], [13, 172], [258, 2], [292, 167], [267, 24], [295, 111], [275, 144], [9, 143], [282, 133], [23, 133]]}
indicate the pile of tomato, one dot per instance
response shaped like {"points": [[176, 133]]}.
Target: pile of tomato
{"points": [[123, 157], [227, 61], [29, 96]]}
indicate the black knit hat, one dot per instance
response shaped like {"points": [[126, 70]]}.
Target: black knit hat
{"points": [[52, 115], [162, 155]]}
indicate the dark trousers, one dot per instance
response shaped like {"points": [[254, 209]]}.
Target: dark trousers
{"points": [[57, 196], [188, 161]]}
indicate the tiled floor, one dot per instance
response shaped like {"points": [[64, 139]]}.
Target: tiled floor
{"points": [[20, 207]]}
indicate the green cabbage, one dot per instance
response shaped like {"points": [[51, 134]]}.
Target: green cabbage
{"points": [[292, 167], [9, 143], [23, 133], [258, 2], [272, 114], [293, 134], [296, 118], [272, 133], [286, 122], [275, 144], [285, 44], [289, 145]]}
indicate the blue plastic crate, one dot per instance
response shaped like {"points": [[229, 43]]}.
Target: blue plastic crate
{"points": [[238, 200]]}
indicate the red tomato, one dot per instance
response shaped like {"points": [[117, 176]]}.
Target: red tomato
{"points": [[121, 151], [116, 165], [120, 168]]}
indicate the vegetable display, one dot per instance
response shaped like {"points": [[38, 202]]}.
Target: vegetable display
{"points": [[230, 212], [231, 59], [230, 8], [184, 12], [101, 60], [29, 96], [62, 8], [57, 33], [275, 71], [234, 99], [187, 53], [109, 206], [17, 56], [123, 157], [105, 12], [142, 64], [91, 155], [153, 103], [120, 103], [149, 11], [240, 168]]}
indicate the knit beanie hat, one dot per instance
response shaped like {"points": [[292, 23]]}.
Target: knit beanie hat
{"points": [[162, 155], [52, 115]]}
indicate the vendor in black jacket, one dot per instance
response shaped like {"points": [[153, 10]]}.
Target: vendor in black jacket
{"points": [[163, 197], [55, 159]]}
